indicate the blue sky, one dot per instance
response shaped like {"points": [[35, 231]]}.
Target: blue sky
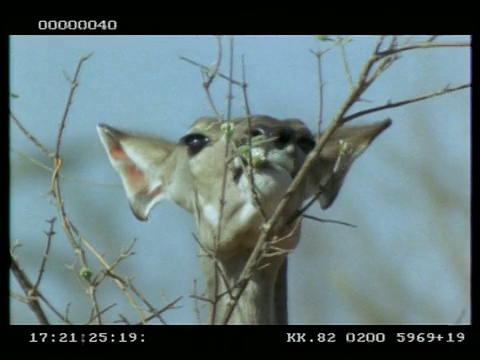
{"points": [[409, 194]]}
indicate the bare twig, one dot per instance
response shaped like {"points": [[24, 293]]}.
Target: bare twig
{"points": [[124, 254], [423, 45], [67, 312], [329, 221], [32, 301], [55, 188], [256, 199], [217, 236], [157, 313], [345, 61], [206, 68], [218, 272], [27, 288], [110, 272], [213, 73], [318, 54], [29, 135], [128, 284], [202, 298], [55, 185], [99, 313], [33, 294], [244, 87], [49, 234], [73, 87], [391, 105], [196, 307], [229, 86], [123, 320], [60, 175], [96, 313], [206, 86]]}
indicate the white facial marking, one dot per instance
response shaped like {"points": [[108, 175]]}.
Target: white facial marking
{"points": [[211, 214], [270, 185], [247, 214], [283, 158]]}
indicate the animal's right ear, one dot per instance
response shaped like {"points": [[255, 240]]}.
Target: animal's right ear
{"points": [[151, 169], [344, 146]]}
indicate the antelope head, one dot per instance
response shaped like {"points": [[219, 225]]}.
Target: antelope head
{"points": [[231, 176]]}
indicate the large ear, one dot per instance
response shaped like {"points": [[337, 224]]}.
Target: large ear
{"points": [[344, 146], [148, 169]]}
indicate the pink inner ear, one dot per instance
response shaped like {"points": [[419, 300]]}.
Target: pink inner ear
{"points": [[156, 191], [136, 179], [116, 151]]}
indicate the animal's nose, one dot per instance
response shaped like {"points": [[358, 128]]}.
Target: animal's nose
{"points": [[283, 135]]}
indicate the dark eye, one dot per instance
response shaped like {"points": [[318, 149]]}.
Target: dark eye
{"points": [[195, 142], [284, 137], [257, 131], [306, 143]]}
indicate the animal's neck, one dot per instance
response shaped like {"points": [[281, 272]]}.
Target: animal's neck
{"points": [[229, 250], [255, 304]]}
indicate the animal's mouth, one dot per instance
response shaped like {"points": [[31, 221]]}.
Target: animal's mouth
{"points": [[249, 161], [260, 157], [270, 150]]}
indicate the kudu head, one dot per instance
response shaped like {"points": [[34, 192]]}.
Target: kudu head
{"points": [[231, 176]]}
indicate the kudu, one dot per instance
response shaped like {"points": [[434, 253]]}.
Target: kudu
{"points": [[231, 177]]}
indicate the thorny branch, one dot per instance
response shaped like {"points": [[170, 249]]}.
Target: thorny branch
{"points": [[255, 196], [29, 135], [343, 53], [270, 225], [422, 45], [95, 316], [329, 221], [379, 61], [318, 54], [55, 186], [28, 288], [217, 271], [391, 105], [56, 192], [157, 313], [49, 234], [367, 76], [207, 69], [32, 290], [32, 298], [154, 312], [110, 272]]}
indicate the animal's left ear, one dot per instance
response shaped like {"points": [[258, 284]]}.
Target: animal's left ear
{"points": [[151, 169], [344, 146]]}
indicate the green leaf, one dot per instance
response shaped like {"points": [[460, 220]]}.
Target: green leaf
{"points": [[85, 273], [227, 128]]}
